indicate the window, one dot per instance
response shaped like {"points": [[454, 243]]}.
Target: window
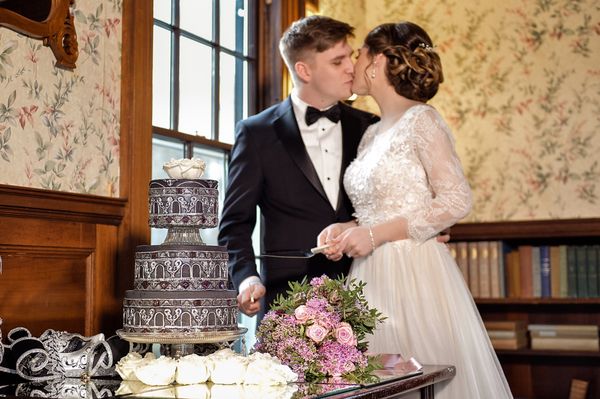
{"points": [[204, 59]]}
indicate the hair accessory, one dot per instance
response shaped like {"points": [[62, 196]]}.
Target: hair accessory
{"points": [[427, 47]]}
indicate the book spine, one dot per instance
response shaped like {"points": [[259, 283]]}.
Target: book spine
{"points": [[462, 254], [526, 272], [473, 269], [581, 265], [592, 269], [545, 270], [484, 269], [536, 274], [571, 272], [514, 275], [503, 250], [564, 281], [555, 271]]}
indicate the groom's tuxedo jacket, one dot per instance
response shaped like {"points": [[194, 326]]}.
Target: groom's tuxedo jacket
{"points": [[271, 168]]}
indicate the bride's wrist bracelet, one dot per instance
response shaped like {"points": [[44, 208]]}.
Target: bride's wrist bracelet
{"points": [[372, 239]]}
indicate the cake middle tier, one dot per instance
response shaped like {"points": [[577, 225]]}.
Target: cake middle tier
{"points": [[180, 267], [180, 312]]}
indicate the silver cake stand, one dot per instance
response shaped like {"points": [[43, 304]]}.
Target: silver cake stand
{"points": [[181, 344]]}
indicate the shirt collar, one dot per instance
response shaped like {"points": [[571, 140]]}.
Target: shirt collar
{"points": [[300, 105]]}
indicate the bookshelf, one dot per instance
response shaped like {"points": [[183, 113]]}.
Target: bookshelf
{"points": [[541, 373]]}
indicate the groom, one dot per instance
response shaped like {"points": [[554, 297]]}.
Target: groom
{"points": [[289, 160]]}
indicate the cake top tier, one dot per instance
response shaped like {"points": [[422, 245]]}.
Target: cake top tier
{"points": [[183, 203]]}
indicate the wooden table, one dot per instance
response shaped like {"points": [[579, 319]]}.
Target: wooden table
{"points": [[398, 388], [389, 387]]}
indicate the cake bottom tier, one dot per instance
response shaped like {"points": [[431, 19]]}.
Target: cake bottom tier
{"points": [[180, 311]]}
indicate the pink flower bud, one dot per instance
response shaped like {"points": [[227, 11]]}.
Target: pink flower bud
{"points": [[344, 334], [316, 332]]}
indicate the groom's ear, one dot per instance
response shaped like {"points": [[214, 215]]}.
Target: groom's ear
{"points": [[303, 71]]}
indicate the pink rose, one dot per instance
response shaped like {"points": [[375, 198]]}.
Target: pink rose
{"points": [[349, 367], [302, 314], [344, 334], [316, 332]]}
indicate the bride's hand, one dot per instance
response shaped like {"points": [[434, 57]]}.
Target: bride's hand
{"points": [[329, 236], [356, 242]]}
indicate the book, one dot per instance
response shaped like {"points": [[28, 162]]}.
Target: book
{"points": [[564, 333], [571, 272], [536, 274], [506, 334], [592, 270], [509, 343], [578, 389], [555, 272], [564, 284], [484, 269], [473, 269], [507, 325], [513, 275], [525, 271], [496, 272], [582, 276], [545, 276], [503, 249], [574, 344], [462, 259], [591, 328]]}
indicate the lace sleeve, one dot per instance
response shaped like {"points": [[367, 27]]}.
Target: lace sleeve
{"points": [[451, 200]]}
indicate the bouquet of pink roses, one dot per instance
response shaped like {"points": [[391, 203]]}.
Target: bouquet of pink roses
{"points": [[319, 329]]}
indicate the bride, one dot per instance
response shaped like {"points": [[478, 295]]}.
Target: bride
{"points": [[406, 185]]}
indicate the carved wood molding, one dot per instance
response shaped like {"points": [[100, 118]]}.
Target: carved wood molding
{"points": [[57, 30], [47, 204]]}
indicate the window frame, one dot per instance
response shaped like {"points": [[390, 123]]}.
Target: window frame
{"points": [[209, 139]]}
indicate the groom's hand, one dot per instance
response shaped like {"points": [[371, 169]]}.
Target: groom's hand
{"points": [[249, 299]]}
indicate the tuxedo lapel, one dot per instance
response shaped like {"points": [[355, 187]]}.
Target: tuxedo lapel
{"points": [[289, 133], [351, 135]]}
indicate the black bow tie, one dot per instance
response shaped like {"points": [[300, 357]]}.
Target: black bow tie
{"points": [[313, 114]]}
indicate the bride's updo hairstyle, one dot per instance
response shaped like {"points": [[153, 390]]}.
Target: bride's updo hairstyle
{"points": [[413, 67]]}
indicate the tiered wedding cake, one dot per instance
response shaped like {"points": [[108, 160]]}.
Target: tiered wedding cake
{"points": [[181, 286]]}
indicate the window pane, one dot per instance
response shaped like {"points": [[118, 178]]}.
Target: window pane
{"points": [[161, 78], [228, 100], [246, 94], [163, 151], [234, 25], [215, 170], [195, 90], [162, 10], [195, 16]]}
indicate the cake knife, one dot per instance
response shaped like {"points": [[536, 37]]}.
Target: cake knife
{"points": [[295, 254]]}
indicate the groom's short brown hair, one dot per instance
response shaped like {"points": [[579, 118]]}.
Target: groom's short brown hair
{"points": [[317, 32]]}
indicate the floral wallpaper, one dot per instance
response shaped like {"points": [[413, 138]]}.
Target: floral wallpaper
{"points": [[521, 92], [59, 129]]}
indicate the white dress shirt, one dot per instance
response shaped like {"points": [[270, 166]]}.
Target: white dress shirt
{"points": [[323, 142]]}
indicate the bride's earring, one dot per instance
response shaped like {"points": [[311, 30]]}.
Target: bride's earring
{"points": [[373, 71]]}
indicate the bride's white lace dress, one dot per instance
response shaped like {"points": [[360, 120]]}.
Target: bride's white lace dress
{"points": [[411, 170]]}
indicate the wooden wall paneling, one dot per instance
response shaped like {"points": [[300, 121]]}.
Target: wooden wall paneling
{"points": [[136, 136], [55, 248], [106, 301], [44, 287]]}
